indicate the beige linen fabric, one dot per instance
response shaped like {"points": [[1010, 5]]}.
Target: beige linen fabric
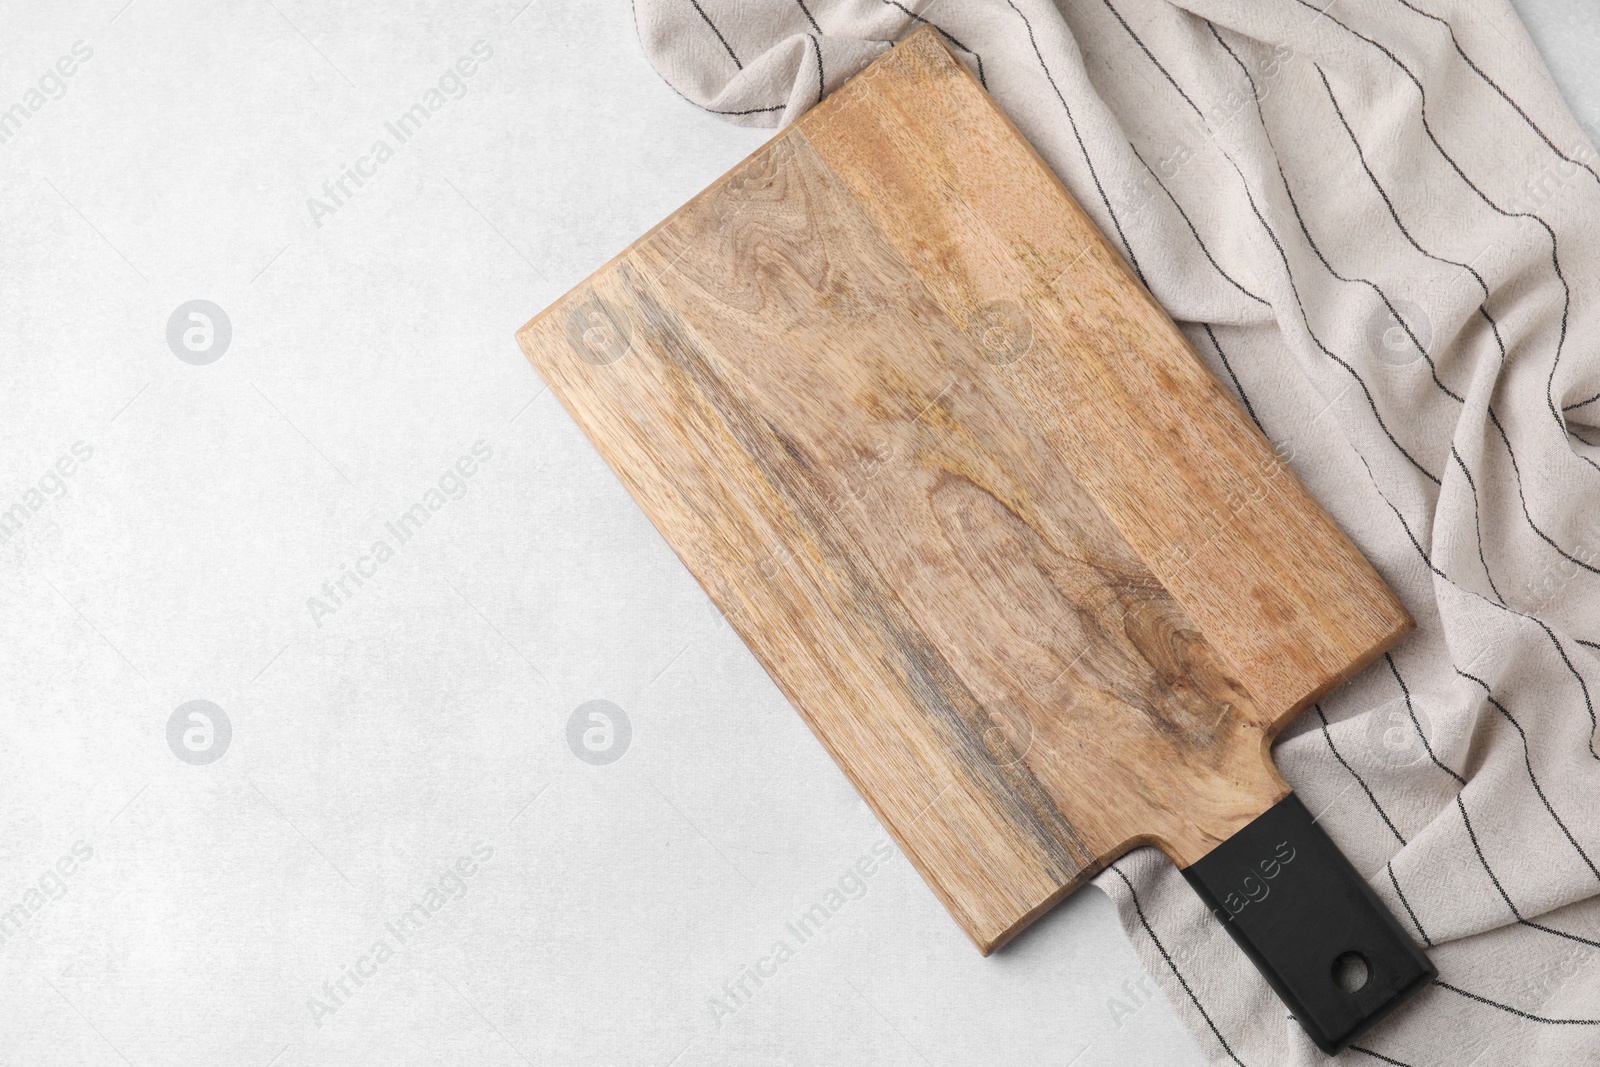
{"points": [[1378, 222]]}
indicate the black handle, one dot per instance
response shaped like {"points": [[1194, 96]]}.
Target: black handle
{"points": [[1311, 924]]}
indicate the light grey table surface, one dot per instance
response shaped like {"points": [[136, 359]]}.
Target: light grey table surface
{"points": [[394, 833]]}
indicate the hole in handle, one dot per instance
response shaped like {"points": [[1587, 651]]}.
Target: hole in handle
{"points": [[1351, 972]]}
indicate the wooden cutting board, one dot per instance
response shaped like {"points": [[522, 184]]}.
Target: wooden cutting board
{"points": [[1021, 562]]}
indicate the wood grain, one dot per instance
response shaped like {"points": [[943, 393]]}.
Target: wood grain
{"points": [[1021, 563]]}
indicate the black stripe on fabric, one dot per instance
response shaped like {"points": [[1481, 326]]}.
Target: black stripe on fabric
{"points": [[1126, 247], [1534, 126], [1426, 940], [1410, 710], [1328, 737], [1516, 469], [1361, 155], [1139, 910], [1189, 223], [1228, 366], [1560, 933], [822, 83], [1477, 522], [1582, 403], [1521, 919], [1295, 291], [947, 36], [1378, 1056], [1591, 644], [1255, 94], [809, 17], [746, 111], [708, 110], [1514, 1011], [1473, 837], [1564, 935], [1305, 230], [726, 47], [1151, 56], [1404, 525], [1587, 702], [714, 111], [1527, 759]]}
